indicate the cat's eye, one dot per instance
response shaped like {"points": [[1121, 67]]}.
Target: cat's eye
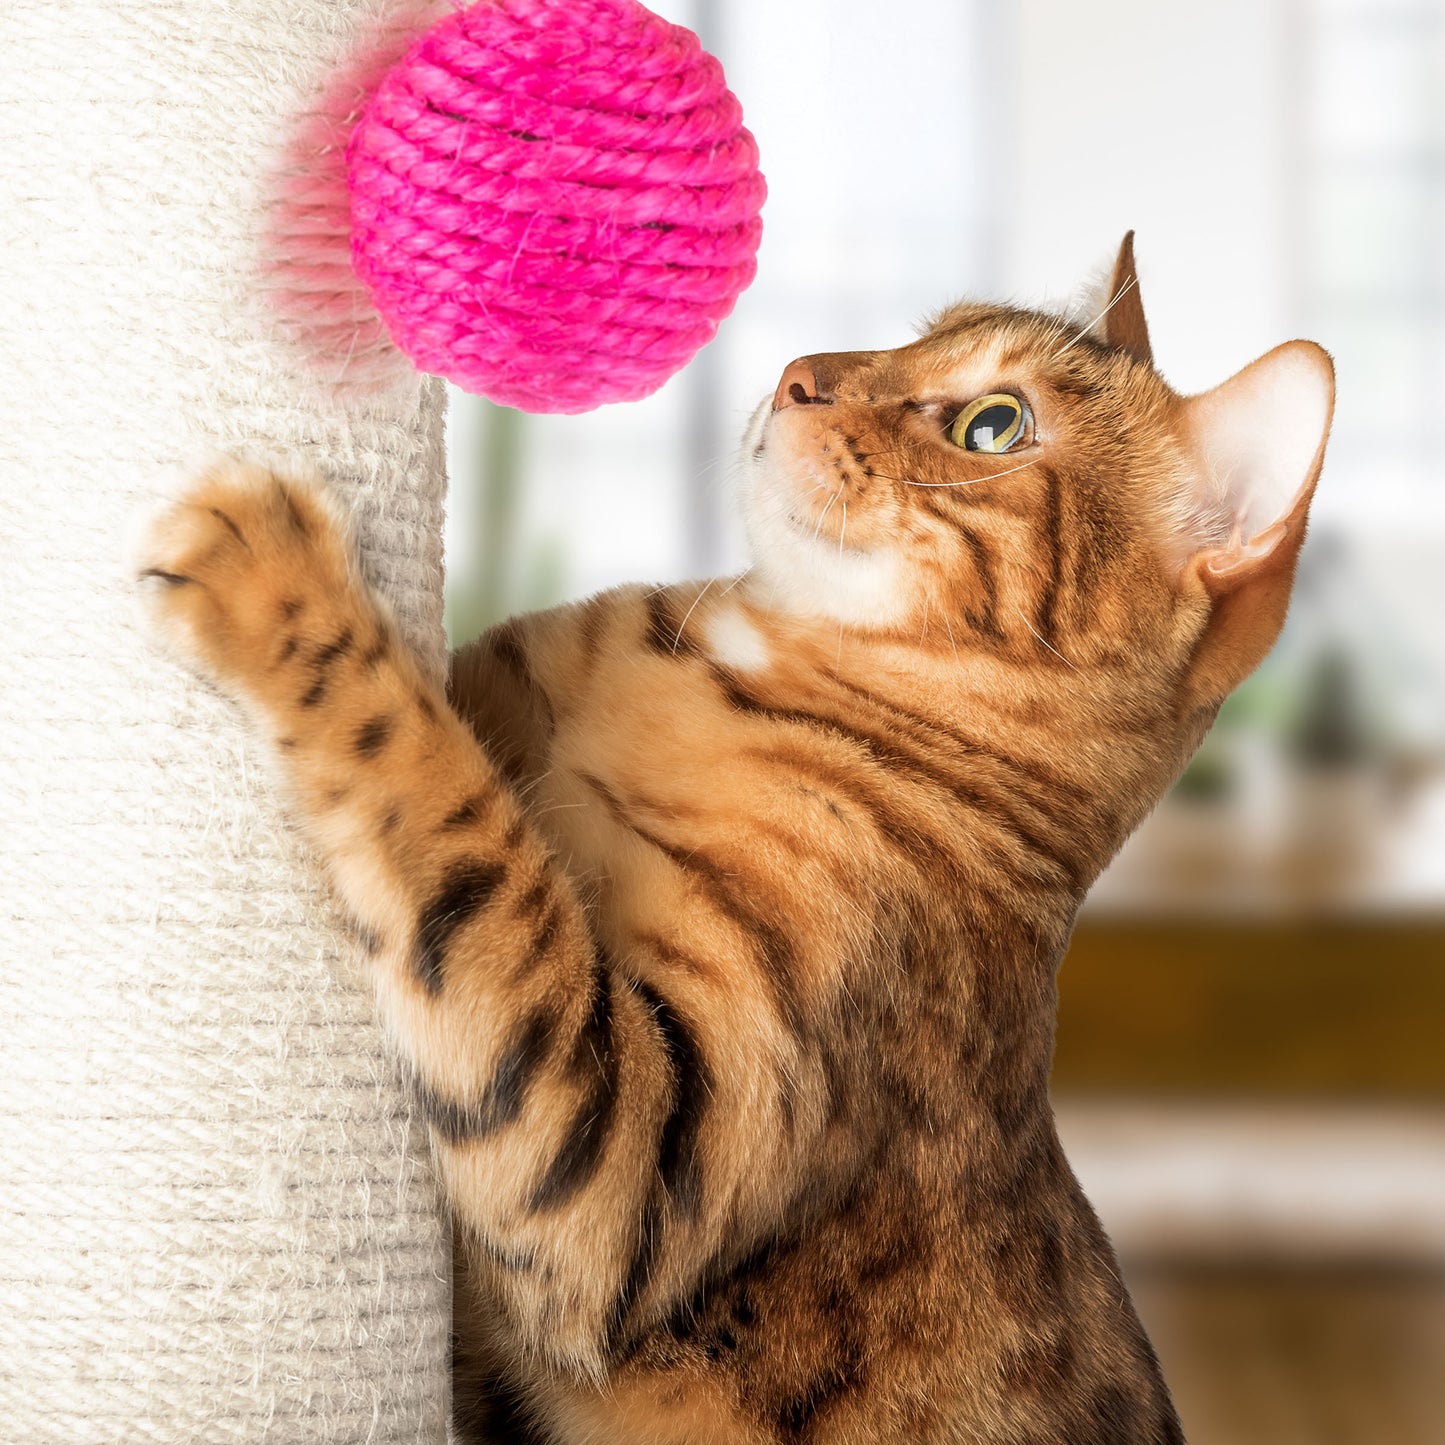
{"points": [[994, 423]]}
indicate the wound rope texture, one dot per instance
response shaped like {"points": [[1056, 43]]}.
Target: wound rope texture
{"points": [[217, 1218], [554, 202]]}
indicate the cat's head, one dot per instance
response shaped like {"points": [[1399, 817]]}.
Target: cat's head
{"points": [[1035, 489]]}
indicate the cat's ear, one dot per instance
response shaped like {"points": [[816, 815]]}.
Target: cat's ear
{"points": [[1121, 321], [1258, 442]]}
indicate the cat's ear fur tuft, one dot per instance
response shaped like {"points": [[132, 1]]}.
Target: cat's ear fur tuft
{"points": [[1120, 322], [1256, 445]]}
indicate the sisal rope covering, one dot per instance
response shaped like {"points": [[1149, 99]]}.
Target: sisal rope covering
{"points": [[554, 202], [217, 1219]]}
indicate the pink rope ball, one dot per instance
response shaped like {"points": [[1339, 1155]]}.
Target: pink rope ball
{"points": [[554, 202]]}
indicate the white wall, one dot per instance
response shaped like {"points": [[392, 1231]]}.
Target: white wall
{"points": [[1170, 119]]}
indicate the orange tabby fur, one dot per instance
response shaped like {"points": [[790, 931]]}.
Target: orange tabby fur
{"points": [[717, 925]]}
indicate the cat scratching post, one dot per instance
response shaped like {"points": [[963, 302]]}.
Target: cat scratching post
{"points": [[217, 1222]]}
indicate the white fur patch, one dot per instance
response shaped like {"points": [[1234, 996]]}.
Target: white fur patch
{"points": [[797, 570], [735, 642]]}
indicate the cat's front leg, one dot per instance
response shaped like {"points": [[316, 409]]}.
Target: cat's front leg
{"points": [[547, 1077]]}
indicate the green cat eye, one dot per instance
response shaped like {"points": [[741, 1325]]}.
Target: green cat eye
{"points": [[993, 423]]}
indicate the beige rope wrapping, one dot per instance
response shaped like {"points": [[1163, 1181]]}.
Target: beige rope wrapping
{"points": [[217, 1222]]}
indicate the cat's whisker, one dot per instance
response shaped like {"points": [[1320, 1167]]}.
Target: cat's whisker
{"points": [[1068, 321], [1045, 641], [554, 807], [948, 627], [723, 458], [681, 626], [741, 577], [533, 783], [1084, 330], [843, 530], [1062, 322], [1057, 324], [832, 497], [972, 481]]}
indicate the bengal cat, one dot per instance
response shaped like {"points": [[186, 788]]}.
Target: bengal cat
{"points": [[716, 925]]}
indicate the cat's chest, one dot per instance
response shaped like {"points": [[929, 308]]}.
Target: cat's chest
{"points": [[656, 798], [634, 771]]}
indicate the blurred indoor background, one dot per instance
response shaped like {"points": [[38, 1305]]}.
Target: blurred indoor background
{"points": [[1251, 1064]]}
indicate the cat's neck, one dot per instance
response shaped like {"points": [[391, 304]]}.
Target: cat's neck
{"points": [[1065, 758]]}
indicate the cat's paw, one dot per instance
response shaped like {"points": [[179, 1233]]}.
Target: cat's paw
{"points": [[244, 569]]}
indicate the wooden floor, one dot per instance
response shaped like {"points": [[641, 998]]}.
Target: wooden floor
{"points": [[1300, 1358]]}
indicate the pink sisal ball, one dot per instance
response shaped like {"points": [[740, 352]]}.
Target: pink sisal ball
{"points": [[554, 202]]}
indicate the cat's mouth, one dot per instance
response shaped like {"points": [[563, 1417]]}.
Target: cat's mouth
{"points": [[809, 559], [814, 513], [810, 506]]}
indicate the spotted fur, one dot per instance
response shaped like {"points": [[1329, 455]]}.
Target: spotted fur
{"points": [[717, 925]]}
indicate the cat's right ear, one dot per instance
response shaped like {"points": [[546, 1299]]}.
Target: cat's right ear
{"points": [[1258, 442]]}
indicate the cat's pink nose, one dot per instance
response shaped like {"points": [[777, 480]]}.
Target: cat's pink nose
{"points": [[798, 387]]}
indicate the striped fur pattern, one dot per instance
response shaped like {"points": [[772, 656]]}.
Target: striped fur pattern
{"points": [[717, 924]]}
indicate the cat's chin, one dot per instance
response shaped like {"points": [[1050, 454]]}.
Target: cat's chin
{"points": [[795, 570]]}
